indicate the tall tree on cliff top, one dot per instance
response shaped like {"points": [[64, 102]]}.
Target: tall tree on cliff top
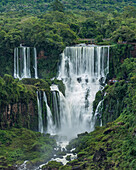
{"points": [[57, 6]]}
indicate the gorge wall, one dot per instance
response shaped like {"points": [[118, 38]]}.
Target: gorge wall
{"points": [[17, 104]]}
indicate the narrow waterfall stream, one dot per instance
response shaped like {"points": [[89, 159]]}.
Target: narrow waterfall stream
{"points": [[98, 112], [40, 120], [50, 124], [25, 62], [35, 63]]}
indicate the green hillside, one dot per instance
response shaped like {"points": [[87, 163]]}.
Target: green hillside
{"points": [[40, 6]]}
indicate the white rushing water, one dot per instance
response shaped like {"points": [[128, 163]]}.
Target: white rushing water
{"points": [[35, 63], [22, 62], [62, 159], [98, 113], [82, 69], [40, 120], [50, 124], [55, 100]]}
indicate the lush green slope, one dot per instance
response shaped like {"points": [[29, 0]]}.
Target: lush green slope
{"points": [[19, 145], [39, 6]]}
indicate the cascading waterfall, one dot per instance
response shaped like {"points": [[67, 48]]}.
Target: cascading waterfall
{"points": [[22, 62], [60, 108], [40, 120], [83, 69], [98, 113], [50, 124], [50, 127]]}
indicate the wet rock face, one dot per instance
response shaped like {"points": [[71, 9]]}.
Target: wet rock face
{"points": [[15, 108], [18, 115], [31, 108]]}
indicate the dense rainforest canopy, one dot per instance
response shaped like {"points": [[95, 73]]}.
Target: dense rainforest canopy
{"points": [[40, 6], [57, 27]]}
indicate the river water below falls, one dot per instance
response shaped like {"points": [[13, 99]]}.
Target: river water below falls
{"points": [[63, 159], [61, 146]]}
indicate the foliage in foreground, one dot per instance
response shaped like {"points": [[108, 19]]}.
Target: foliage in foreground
{"points": [[19, 145]]}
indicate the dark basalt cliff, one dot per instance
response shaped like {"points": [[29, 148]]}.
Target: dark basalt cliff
{"points": [[19, 115]]}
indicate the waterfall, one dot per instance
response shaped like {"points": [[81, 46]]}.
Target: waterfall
{"points": [[98, 114], [50, 127], [35, 63], [50, 124], [40, 120], [27, 65], [22, 62], [56, 104], [60, 108], [83, 71]]}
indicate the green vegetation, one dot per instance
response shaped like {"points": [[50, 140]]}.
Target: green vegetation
{"points": [[36, 6], [51, 165], [119, 53], [18, 101], [57, 6], [18, 104], [19, 145], [122, 69], [50, 32]]}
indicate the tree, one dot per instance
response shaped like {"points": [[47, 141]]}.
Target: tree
{"points": [[129, 11], [57, 6], [125, 33]]}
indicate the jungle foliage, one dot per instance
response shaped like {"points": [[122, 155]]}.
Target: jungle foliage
{"points": [[52, 31], [19, 145], [40, 6]]}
